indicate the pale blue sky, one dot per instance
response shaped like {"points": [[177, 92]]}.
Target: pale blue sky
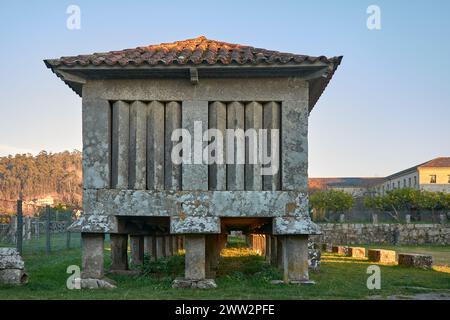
{"points": [[387, 108]]}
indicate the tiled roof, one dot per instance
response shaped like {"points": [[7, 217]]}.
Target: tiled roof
{"points": [[437, 163], [198, 51]]}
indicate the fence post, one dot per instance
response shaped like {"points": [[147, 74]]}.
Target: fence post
{"points": [[68, 235], [47, 230], [19, 229]]}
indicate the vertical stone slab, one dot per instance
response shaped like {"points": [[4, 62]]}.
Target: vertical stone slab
{"points": [[96, 118], [253, 120], [149, 247], [211, 256], [155, 146], [280, 240], [297, 257], [172, 172], [272, 119], [195, 257], [294, 142], [137, 250], [217, 119], [120, 144], [236, 171], [168, 246], [119, 252], [92, 255], [160, 247], [195, 175], [273, 250], [138, 145], [267, 247], [174, 241]]}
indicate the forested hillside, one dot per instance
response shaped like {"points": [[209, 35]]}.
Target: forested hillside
{"points": [[55, 174]]}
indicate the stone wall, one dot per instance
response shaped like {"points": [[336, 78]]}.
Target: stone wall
{"points": [[409, 234]]}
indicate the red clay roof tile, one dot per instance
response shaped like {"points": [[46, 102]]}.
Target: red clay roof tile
{"points": [[189, 52]]}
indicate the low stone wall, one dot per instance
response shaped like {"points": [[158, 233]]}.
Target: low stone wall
{"points": [[408, 234]]}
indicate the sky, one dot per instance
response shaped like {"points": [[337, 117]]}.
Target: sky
{"points": [[386, 108]]}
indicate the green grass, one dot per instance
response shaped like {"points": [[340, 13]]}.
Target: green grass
{"points": [[242, 275]]}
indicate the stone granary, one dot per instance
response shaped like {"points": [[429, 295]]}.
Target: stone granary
{"points": [[132, 100]]}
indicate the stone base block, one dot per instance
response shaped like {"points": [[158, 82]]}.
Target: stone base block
{"points": [[356, 252], [422, 261], [383, 256], [327, 247], [13, 276], [341, 250], [91, 283], [195, 284]]}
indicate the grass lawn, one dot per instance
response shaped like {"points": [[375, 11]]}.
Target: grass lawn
{"points": [[242, 275]]}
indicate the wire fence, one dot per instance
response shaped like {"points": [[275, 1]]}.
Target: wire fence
{"points": [[35, 228]]}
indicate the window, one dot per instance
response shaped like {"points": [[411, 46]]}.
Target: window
{"points": [[433, 178], [415, 181], [409, 182], [398, 184], [448, 178], [404, 183]]}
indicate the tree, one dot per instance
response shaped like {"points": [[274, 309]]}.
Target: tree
{"points": [[330, 201]]}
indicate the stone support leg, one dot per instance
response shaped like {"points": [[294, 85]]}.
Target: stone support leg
{"points": [[92, 255], [137, 250], [119, 252], [297, 258]]}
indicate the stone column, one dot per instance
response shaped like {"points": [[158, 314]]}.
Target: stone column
{"points": [[92, 255], [160, 247], [280, 251], [195, 257], [173, 241], [119, 251], [149, 247], [137, 250], [297, 258], [211, 248], [168, 245], [268, 246], [273, 250], [408, 218]]}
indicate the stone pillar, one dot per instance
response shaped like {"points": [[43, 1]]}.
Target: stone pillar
{"points": [[280, 251], [195, 257], [174, 245], [297, 258], [273, 250], [442, 218], [168, 246], [159, 247], [92, 255], [408, 218], [137, 250], [268, 247], [149, 247], [342, 218], [119, 252], [374, 218], [211, 259]]}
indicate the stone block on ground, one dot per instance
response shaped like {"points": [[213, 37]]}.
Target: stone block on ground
{"points": [[181, 283], [422, 261], [91, 283], [341, 250], [12, 267], [356, 252], [383, 256], [327, 247]]}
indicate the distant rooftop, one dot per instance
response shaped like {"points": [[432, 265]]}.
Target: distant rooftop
{"points": [[351, 182]]}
